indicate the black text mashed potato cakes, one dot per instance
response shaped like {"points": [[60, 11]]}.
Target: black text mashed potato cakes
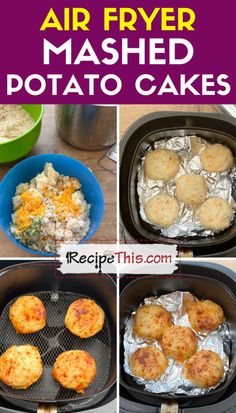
{"points": [[20, 366], [50, 208]]}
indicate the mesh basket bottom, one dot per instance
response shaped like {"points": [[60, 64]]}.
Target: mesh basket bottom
{"points": [[53, 340]]}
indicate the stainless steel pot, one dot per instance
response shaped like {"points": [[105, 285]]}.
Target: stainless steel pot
{"points": [[89, 127]]}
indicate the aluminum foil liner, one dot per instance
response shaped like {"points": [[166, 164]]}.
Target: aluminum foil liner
{"points": [[221, 185], [173, 381]]}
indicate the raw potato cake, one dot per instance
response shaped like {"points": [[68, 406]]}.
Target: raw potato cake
{"points": [[179, 343], [161, 164], [148, 363], [205, 316], [84, 318], [162, 211], [20, 366], [215, 214], [205, 369], [28, 314], [217, 158], [75, 370], [151, 321], [191, 189]]}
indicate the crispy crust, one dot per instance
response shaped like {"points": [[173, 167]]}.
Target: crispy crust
{"points": [[205, 369], [20, 366], [191, 189], [148, 363], [75, 370], [205, 316], [215, 214], [162, 211], [28, 314], [151, 321], [217, 158], [84, 318], [161, 164], [179, 343]]}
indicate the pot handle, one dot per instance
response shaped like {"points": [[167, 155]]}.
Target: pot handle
{"points": [[47, 408], [171, 407]]}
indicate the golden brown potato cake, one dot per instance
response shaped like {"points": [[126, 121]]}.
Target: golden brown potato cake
{"points": [[179, 343], [204, 369], [151, 321], [162, 211], [28, 314], [191, 189], [75, 370], [84, 318], [205, 316], [20, 366], [161, 164], [215, 214], [148, 363], [217, 158]]}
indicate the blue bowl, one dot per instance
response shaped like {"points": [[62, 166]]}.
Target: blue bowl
{"points": [[27, 169]]}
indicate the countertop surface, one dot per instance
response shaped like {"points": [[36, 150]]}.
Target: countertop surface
{"points": [[101, 166], [128, 114]]}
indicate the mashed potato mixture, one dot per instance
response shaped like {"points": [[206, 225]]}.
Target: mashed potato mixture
{"points": [[14, 122], [49, 210]]}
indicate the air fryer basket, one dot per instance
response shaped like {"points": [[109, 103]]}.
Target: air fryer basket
{"points": [[143, 132], [57, 293], [202, 287]]}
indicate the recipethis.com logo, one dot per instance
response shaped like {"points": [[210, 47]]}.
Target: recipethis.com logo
{"points": [[113, 258]]}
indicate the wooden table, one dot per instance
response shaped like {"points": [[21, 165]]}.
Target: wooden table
{"points": [[128, 114], [49, 142]]}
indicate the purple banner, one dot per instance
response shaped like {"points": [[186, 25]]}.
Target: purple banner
{"points": [[50, 66]]}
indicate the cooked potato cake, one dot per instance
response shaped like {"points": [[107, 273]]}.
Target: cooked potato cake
{"points": [[149, 363], [162, 211], [191, 189], [179, 343], [161, 164], [28, 314], [204, 369], [20, 366], [151, 321], [75, 370], [215, 214], [84, 318], [205, 316], [217, 158]]}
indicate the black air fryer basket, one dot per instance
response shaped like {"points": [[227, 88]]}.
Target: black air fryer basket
{"points": [[202, 285], [142, 133], [57, 292]]}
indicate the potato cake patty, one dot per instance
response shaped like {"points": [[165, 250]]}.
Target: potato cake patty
{"points": [[179, 342], [151, 321], [217, 158], [28, 314], [148, 363], [191, 189], [84, 318], [162, 211], [20, 366], [204, 369], [215, 214], [205, 316], [75, 370], [161, 164]]}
